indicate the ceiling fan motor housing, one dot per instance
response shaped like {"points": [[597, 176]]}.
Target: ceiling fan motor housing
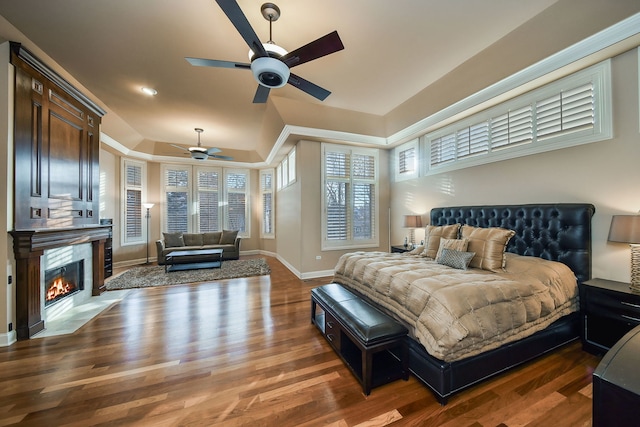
{"points": [[270, 72]]}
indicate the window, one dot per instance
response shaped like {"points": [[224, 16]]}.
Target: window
{"points": [[350, 195], [236, 206], [571, 111], [177, 199], [205, 199], [405, 158], [133, 174], [208, 195], [286, 170], [266, 193]]}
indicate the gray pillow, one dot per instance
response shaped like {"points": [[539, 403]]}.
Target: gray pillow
{"points": [[192, 239], [455, 259], [173, 240], [228, 237], [212, 238]]}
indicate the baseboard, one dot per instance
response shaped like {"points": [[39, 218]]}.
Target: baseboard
{"points": [[7, 339], [314, 274]]}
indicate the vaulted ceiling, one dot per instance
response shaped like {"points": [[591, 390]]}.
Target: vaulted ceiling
{"points": [[402, 61]]}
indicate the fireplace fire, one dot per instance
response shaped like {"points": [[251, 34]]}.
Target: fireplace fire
{"points": [[61, 282]]}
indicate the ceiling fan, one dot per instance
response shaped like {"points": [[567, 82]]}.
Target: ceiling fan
{"points": [[201, 153], [270, 63]]}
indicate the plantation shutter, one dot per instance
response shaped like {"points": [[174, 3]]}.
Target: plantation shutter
{"points": [[337, 172], [208, 201], [443, 149], [177, 200], [266, 189], [570, 111], [407, 160], [133, 201], [236, 207], [513, 128]]}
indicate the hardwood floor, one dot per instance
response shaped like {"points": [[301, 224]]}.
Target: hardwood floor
{"points": [[243, 352]]}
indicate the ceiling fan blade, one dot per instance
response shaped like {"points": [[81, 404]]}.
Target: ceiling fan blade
{"points": [[220, 157], [262, 93], [213, 150], [308, 87], [181, 147], [237, 18], [316, 49], [201, 62]]}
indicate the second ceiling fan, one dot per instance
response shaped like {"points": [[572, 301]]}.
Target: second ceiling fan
{"points": [[271, 64]]}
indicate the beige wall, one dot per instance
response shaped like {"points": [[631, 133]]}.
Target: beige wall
{"points": [[605, 174]]}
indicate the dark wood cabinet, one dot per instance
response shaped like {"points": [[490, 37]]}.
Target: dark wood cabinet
{"points": [[56, 146], [609, 310], [400, 249]]}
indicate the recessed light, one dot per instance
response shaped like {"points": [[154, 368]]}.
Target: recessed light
{"points": [[149, 91]]}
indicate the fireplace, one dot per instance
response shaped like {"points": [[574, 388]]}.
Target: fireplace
{"points": [[62, 282]]}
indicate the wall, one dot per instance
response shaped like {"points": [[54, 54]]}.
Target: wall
{"points": [[605, 174]]}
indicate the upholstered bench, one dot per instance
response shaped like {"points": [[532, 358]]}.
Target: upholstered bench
{"points": [[371, 343]]}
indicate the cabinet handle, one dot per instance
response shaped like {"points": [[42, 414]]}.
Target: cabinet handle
{"points": [[330, 324], [635, 319], [330, 337], [630, 304]]}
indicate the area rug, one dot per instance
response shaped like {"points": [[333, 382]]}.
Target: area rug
{"points": [[141, 277]]}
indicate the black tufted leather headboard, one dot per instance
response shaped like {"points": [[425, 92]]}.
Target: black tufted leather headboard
{"points": [[558, 232]]}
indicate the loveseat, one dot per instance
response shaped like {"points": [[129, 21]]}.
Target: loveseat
{"points": [[226, 240]]}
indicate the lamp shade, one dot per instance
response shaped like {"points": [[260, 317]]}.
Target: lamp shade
{"points": [[412, 221], [625, 229], [147, 205]]}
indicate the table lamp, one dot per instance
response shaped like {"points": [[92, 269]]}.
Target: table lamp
{"points": [[626, 229]]}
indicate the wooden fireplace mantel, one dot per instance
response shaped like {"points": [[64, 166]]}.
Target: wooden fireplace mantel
{"points": [[28, 247]]}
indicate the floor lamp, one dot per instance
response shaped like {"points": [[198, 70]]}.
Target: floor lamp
{"points": [[148, 207]]}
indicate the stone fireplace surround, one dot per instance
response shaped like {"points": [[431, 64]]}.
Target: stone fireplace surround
{"points": [[29, 246]]}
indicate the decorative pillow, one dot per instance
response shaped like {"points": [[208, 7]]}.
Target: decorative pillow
{"points": [[172, 240], [192, 239], [452, 244], [417, 251], [228, 237], [489, 245], [211, 238], [433, 234], [455, 259]]}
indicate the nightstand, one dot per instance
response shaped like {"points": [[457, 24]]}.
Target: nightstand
{"points": [[400, 249], [608, 310]]}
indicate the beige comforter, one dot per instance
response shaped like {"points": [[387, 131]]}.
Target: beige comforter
{"points": [[460, 313]]}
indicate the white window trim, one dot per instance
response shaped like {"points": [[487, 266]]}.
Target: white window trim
{"points": [[599, 75], [395, 158], [124, 240], [350, 244], [263, 191]]}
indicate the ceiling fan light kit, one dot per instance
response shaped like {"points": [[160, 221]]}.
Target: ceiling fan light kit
{"points": [[270, 72]]}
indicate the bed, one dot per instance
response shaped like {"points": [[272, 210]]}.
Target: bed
{"points": [[442, 356]]}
